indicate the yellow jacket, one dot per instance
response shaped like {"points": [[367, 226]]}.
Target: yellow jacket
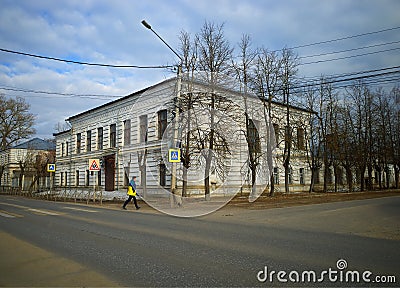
{"points": [[131, 192]]}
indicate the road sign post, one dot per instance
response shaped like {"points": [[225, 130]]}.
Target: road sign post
{"points": [[174, 155], [51, 168], [94, 165]]}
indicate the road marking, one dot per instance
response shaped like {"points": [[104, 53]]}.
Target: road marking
{"points": [[9, 214], [14, 205], [36, 211], [5, 214], [80, 209], [43, 212]]}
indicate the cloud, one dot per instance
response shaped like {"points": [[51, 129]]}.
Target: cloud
{"points": [[110, 32]]}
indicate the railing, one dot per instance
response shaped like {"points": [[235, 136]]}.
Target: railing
{"points": [[59, 194]]}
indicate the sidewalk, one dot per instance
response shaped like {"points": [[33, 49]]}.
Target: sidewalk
{"points": [[41, 268]]}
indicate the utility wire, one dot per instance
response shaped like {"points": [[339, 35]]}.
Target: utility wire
{"points": [[172, 66], [90, 96], [344, 38], [384, 76], [348, 50], [348, 57], [336, 76], [85, 63]]}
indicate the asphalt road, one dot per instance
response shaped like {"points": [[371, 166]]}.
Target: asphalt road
{"points": [[62, 244]]}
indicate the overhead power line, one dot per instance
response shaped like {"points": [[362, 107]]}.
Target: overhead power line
{"points": [[351, 56], [90, 96], [345, 38], [354, 78], [349, 50], [85, 63], [373, 77]]}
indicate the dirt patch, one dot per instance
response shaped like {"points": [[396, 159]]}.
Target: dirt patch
{"points": [[296, 199]]}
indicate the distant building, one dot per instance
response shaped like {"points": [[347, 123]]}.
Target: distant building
{"points": [[25, 165], [127, 136]]}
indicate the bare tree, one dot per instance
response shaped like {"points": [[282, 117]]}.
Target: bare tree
{"points": [[395, 133], [314, 133], [16, 122], [39, 167], [289, 70], [266, 82], [215, 56], [243, 68], [187, 101], [362, 114]]}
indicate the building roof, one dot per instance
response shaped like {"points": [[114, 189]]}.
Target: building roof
{"points": [[138, 93], [135, 94], [36, 144]]}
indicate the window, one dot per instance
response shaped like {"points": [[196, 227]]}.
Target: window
{"points": [[276, 175], [162, 123], [113, 135], [316, 176], [87, 178], [62, 149], [61, 178], [99, 178], [66, 148], [89, 141], [288, 134], [100, 138], [163, 174], [329, 177], [126, 176], [77, 178], [339, 175], [253, 138], [300, 139], [302, 176], [65, 178], [78, 143], [127, 132], [290, 176], [143, 128]]}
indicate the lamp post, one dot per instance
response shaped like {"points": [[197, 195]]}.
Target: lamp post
{"points": [[174, 199]]}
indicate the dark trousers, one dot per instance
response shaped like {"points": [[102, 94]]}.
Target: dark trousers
{"points": [[129, 200]]}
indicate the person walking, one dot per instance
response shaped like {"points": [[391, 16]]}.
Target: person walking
{"points": [[131, 193]]}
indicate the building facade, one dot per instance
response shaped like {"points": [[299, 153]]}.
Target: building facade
{"points": [[132, 137], [24, 166]]}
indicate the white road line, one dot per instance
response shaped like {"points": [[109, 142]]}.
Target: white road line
{"points": [[7, 215], [14, 205], [43, 212], [79, 209]]}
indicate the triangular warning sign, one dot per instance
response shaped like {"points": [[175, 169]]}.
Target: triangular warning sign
{"points": [[94, 165]]}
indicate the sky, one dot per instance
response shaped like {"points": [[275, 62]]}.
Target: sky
{"points": [[110, 32]]}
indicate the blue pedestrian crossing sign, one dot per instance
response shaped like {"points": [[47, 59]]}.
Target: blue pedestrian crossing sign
{"points": [[174, 155], [51, 167]]}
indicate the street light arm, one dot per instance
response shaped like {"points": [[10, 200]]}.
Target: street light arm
{"points": [[148, 26]]}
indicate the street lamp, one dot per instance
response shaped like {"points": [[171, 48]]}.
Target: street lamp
{"points": [[173, 200], [148, 26]]}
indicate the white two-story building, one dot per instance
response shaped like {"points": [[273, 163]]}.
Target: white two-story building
{"points": [[132, 135]]}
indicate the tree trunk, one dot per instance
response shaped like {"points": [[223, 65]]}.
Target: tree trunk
{"points": [[272, 189], [313, 171], [326, 169], [369, 177], [207, 175], [349, 176], [396, 175], [362, 178], [184, 182]]}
